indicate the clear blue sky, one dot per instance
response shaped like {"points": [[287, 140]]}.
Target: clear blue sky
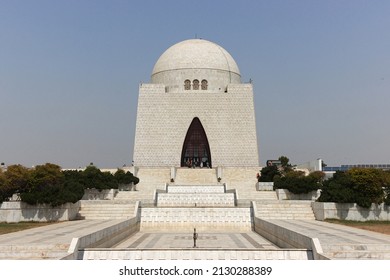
{"points": [[70, 70]]}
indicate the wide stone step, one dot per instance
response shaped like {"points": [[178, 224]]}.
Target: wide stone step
{"points": [[181, 219], [33, 251], [196, 189], [359, 255], [196, 199], [285, 204], [106, 202], [357, 247], [124, 211], [188, 176], [180, 254], [278, 217]]}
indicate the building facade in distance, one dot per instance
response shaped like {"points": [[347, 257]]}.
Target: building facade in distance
{"points": [[195, 111]]}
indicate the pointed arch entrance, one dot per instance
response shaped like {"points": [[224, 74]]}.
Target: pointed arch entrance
{"points": [[196, 149]]}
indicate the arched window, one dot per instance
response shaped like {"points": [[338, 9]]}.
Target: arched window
{"points": [[195, 84], [196, 149], [187, 84], [204, 85]]}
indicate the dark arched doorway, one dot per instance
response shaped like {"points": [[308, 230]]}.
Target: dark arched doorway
{"points": [[196, 149]]}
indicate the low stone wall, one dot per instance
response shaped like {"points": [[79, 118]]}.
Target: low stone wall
{"points": [[104, 238], [265, 186], [17, 211], [195, 254], [94, 194], [286, 238], [284, 194], [350, 211]]}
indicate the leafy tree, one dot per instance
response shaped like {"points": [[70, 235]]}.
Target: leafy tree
{"points": [[296, 182], [338, 189], [46, 176], [15, 179], [285, 164], [368, 185], [363, 186], [386, 176], [125, 178], [18, 177], [94, 178], [268, 173], [48, 184], [5, 190]]}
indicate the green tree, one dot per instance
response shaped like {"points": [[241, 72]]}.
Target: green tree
{"points": [[5, 190], [363, 186], [338, 189], [48, 185], [18, 177], [286, 167], [297, 183], [368, 185], [125, 178], [268, 173], [46, 176]]}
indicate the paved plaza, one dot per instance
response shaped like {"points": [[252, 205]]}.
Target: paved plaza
{"points": [[53, 241], [150, 240]]}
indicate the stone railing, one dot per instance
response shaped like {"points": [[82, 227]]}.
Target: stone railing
{"points": [[201, 218], [196, 199], [196, 189]]}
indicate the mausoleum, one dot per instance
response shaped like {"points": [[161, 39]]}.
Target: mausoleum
{"points": [[195, 110]]}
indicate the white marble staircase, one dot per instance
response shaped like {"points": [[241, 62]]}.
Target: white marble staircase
{"points": [[106, 209], [196, 176], [357, 251], [195, 196], [284, 209]]}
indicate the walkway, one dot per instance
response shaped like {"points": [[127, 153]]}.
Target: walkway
{"points": [[149, 240], [47, 242], [342, 242], [52, 241]]}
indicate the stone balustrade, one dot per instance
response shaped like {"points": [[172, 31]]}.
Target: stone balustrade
{"points": [[195, 199], [185, 219], [196, 189]]}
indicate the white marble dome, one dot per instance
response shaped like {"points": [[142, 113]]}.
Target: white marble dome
{"points": [[192, 60]]}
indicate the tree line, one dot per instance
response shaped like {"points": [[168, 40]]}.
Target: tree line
{"points": [[362, 186], [48, 184]]}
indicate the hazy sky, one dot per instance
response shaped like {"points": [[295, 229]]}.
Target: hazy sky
{"points": [[70, 71]]}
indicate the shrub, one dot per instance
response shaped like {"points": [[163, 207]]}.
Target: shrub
{"points": [[337, 189], [268, 173], [14, 180], [48, 185], [368, 186], [363, 186], [5, 191], [297, 183], [125, 178]]}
